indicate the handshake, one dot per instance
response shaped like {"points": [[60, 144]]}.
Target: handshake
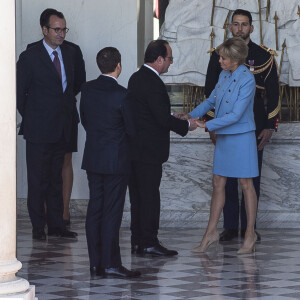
{"points": [[194, 122]]}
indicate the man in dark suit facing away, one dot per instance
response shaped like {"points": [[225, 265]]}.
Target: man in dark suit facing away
{"points": [[151, 147], [107, 119], [79, 79], [45, 100]]}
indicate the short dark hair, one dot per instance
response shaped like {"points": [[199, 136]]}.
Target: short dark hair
{"points": [[108, 59], [243, 13], [47, 13], [155, 49]]}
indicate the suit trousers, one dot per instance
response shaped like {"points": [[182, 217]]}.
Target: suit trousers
{"points": [[103, 218], [232, 209], [44, 166], [144, 195]]}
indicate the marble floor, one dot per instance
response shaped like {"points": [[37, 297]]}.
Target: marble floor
{"points": [[59, 268]]}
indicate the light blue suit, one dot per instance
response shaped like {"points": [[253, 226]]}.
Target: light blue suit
{"points": [[233, 99]]}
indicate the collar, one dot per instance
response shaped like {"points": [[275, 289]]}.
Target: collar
{"points": [[250, 44], [147, 66], [110, 77], [50, 50]]}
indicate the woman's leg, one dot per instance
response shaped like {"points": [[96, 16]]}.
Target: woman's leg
{"points": [[251, 209], [217, 203], [216, 206]]}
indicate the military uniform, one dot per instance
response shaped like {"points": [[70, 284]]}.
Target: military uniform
{"points": [[262, 64]]}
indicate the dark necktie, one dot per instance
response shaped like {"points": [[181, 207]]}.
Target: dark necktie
{"points": [[57, 63]]}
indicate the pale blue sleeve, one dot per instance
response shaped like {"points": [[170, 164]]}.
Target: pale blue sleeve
{"points": [[246, 95], [204, 107]]}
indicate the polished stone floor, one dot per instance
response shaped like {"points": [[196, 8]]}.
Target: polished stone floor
{"points": [[59, 268]]}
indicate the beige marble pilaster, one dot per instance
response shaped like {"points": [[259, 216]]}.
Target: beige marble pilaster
{"points": [[11, 286]]}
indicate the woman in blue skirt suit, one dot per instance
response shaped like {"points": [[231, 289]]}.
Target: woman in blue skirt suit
{"points": [[236, 150]]}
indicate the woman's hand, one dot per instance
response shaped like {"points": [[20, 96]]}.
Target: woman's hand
{"points": [[201, 124]]}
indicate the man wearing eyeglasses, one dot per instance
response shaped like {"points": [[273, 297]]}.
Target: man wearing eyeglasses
{"points": [[45, 100], [80, 78]]}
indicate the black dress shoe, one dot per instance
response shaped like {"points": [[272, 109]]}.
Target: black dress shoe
{"points": [[119, 272], [135, 249], [95, 272], [61, 232], [67, 222], [158, 250], [243, 231], [39, 234], [228, 235]]}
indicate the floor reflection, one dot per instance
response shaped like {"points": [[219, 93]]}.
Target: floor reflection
{"points": [[59, 269]]}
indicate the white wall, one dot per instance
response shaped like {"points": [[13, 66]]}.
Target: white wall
{"points": [[93, 24]]}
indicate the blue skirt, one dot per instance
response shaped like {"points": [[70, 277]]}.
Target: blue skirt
{"points": [[236, 155]]}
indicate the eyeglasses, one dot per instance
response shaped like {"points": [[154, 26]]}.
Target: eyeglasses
{"points": [[59, 30], [170, 58]]}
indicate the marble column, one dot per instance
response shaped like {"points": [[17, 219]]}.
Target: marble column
{"points": [[11, 286], [144, 28]]}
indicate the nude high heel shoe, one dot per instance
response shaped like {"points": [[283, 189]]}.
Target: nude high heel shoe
{"points": [[248, 250], [205, 244]]}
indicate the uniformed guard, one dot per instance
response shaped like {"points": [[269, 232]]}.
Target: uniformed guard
{"points": [[262, 64]]}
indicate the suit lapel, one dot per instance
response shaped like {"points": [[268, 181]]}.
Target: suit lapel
{"points": [[67, 63], [46, 59]]}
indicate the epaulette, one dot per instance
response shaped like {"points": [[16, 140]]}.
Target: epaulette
{"points": [[272, 52], [211, 50]]}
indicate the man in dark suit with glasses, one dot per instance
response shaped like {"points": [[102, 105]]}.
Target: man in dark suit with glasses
{"points": [[79, 79], [45, 100]]}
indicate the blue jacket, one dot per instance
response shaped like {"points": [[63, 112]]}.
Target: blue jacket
{"points": [[233, 99]]}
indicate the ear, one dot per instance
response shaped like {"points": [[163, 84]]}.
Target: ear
{"points": [[230, 27], [45, 30], [118, 69], [160, 60], [251, 28], [119, 66]]}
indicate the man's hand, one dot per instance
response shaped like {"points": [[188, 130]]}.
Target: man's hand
{"points": [[178, 115], [193, 124], [186, 117], [264, 136]]}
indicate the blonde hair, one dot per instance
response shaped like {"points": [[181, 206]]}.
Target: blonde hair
{"points": [[235, 48]]}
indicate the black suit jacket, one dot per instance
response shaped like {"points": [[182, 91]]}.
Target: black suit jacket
{"points": [[46, 110], [79, 69], [107, 118], [153, 117]]}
